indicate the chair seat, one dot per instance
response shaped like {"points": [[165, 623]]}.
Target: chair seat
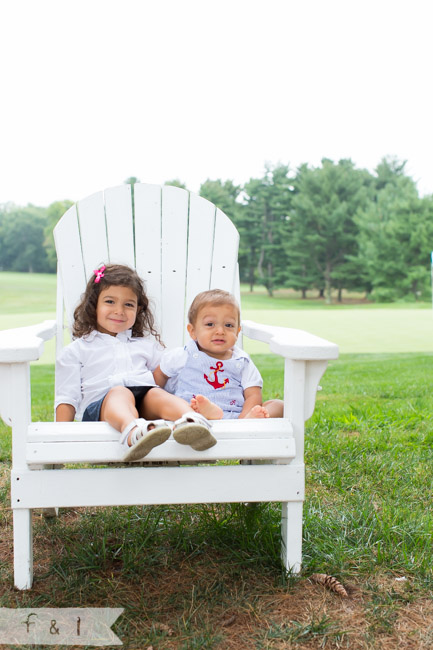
{"points": [[97, 442]]}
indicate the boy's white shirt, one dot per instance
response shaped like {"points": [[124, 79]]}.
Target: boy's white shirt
{"points": [[174, 360], [89, 366]]}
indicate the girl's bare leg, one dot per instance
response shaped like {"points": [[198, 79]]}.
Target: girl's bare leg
{"points": [[118, 408], [203, 405], [157, 403]]}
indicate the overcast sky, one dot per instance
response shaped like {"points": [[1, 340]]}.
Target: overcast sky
{"points": [[95, 91]]}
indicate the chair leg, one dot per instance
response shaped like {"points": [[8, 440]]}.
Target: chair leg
{"points": [[291, 535], [23, 548]]}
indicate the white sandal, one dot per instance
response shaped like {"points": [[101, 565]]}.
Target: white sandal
{"points": [[193, 429], [143, 438]]}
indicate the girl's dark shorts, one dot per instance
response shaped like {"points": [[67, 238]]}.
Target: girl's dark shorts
{"points": [[93, 411]]}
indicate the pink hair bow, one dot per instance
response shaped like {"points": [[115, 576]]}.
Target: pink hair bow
{"points": [[99, 274]]}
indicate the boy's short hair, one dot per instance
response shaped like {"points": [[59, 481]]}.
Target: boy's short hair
{"points": [[212, 297]]}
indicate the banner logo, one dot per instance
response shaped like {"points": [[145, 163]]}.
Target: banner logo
{"points": [[59, 626]]}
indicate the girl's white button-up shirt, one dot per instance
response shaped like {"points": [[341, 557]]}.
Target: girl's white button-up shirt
{"points": [[88, 367]]}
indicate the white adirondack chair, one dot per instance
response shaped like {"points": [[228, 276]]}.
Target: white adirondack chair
{"points": [[180, 244]]}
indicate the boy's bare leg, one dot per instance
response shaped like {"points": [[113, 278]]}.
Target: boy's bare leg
{"points": [[275, 408], [203, 405]]}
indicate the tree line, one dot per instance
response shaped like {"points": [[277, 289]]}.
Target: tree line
{"points": [[328, 228]]}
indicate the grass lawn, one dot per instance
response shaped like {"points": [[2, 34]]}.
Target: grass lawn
{"points": [[209, 576]]}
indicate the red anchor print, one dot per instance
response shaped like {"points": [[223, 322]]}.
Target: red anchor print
{"points": [[215, 383]]}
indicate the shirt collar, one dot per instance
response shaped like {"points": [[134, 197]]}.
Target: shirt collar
{"points": [[238, 353], [122, 336], [125, 336]]}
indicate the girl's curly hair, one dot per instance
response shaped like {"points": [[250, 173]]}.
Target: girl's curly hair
{"points": [[114, 275]]}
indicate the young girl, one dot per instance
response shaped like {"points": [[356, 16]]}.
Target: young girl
{"points": [[106, 372], [215, 376]]}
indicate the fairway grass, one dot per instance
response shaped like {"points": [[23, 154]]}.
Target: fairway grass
{"points": [[356, 331], [22, 293], [27, 299]]}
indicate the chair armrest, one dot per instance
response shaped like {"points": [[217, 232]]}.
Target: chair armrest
{"points": [[306, 357], [25, 344], [291, 343]]}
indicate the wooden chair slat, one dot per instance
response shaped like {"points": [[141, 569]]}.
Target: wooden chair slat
{"points": [[147, 229], [201, 229], [109, 452], [225, 254], [93, 231], [102, 432], [70, 261], [118, 215], [136, 486], [173, 263]]}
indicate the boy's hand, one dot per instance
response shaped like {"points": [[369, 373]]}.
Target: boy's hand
{"points": [[253, 398], [159, 377]]}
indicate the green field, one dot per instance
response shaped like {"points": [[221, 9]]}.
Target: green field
{"points": [[27, 299]]}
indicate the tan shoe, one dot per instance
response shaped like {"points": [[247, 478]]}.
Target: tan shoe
{"points": [[194, 430], [145, 436]]}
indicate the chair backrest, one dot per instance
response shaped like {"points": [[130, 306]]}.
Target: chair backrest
{"points": [[179, 242]]}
